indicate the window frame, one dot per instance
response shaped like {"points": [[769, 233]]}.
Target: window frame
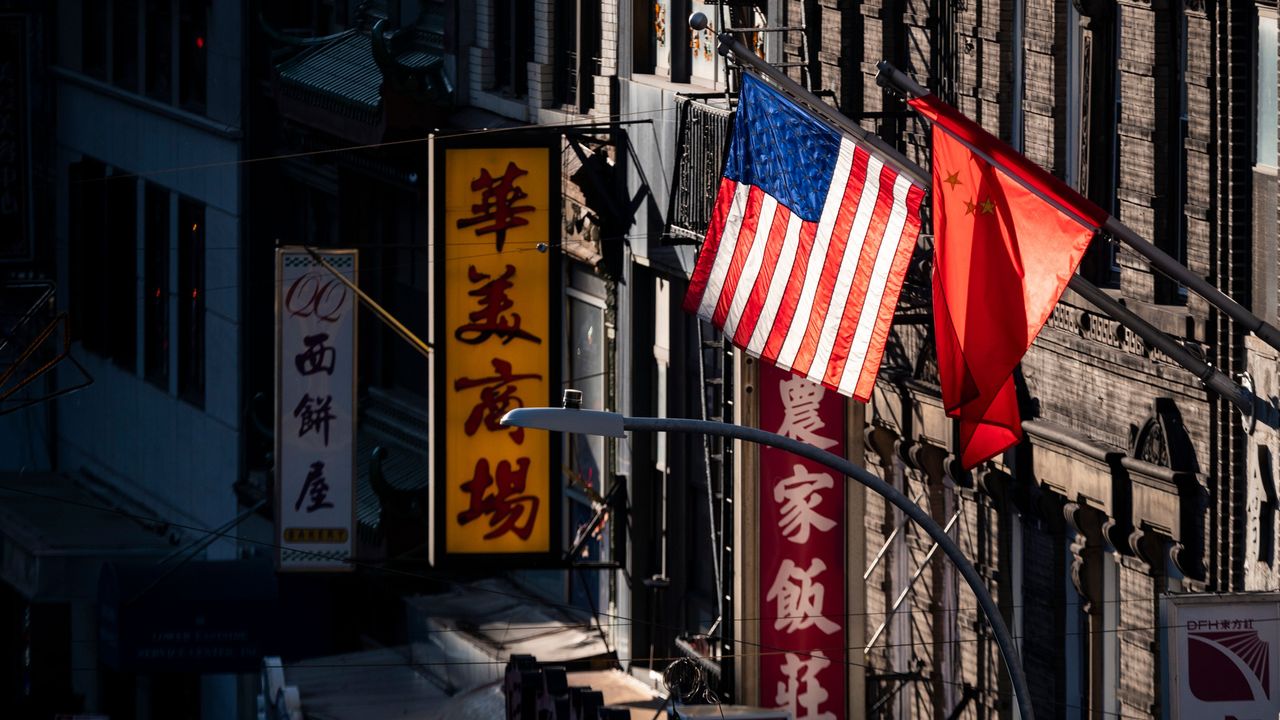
{"points": [[190, 283], [156, 255]]}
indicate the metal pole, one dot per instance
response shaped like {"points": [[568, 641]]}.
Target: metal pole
{"points": [[1008, 650], [387, 318], [1162, 261], [1212, 378], [744, 56]]}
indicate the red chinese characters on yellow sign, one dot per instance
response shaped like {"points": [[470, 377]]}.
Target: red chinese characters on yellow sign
{"points": [[496, 313], [497, 210]]}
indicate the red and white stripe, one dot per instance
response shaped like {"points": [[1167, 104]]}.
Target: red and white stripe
{"points": [[816, 298]]}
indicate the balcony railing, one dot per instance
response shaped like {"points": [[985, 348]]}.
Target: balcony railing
{"points": [[703, 125]]}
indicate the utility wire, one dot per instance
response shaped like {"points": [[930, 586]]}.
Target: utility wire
{"points": [[619, 620], [603, 122], [765, 650]]}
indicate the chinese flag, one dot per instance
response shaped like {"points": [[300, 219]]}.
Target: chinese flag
{"points": [[1003, 255]]}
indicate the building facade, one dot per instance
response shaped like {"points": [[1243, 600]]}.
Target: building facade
{"points": [[136, 132], [1133, 481], [193, 138]]}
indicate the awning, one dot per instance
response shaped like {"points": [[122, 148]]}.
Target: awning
{"points": [[468, 635], [55, 534], [381, 684], [377, 684]]}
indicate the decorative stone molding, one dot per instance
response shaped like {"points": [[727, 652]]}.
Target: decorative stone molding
{"points": [[1163, 440], [1105, 331], [884, 442], [930, 460], [1087, 546], [1151, 548], [1072, 466]]}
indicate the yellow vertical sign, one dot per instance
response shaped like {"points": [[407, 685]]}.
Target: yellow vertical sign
{"points": [[496, 325]]}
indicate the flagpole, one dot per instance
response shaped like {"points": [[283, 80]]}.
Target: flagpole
{"points": [[1211, 377], [1162, 261], [728, 43], [796, 92]]}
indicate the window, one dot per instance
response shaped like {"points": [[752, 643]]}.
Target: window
{"points": [[190, 289], [124, 44], [131, 43], [193, 39], [93, 40], [512, 45], [156, 287], [1173, 239], [1267, 509], [1075, 634], [1093, 102], [121, 302], [1266, 258], [1018, 76], [665, 45], [103, 243], [577, 52], [86, 216], [159, 49], [1265, 123], [586, 459]]}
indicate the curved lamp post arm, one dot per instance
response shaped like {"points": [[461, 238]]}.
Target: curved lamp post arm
{"points": [[595, 422]]}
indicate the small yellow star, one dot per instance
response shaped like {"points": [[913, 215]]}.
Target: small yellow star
{"points": [[969, 207], [987, 207], [953, 180]]}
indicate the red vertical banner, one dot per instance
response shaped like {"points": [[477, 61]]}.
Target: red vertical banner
{"points": [[802, 557]]}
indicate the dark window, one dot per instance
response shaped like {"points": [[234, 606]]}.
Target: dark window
{"points": [[156, 286], [662, 40], [85, 219], [1100, 161], [159, 57], [190, 288], [121, 321], [1174, 238], [577, 52], [93, 39], [512, 45], [102, 223], [193, 41], [1267, 512], [124, 44]]}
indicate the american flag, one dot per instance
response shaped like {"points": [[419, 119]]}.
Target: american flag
{"points": [[808, 245]]}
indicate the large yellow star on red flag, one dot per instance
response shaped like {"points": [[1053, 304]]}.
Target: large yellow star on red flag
{"points": [[953, 180], [987, 206]]}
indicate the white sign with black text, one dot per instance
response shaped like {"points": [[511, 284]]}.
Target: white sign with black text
{"points": [[315, 410]]}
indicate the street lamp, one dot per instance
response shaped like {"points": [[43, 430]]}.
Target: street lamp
{"points": [[609, 424]]}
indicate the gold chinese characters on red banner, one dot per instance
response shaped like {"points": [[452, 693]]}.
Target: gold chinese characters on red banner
{"points": [[494, 319]]}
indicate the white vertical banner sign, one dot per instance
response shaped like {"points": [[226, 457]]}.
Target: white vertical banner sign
{"points": [[315, 410]]}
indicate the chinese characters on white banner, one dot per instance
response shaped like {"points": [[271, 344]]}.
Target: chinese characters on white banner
{"points": [[315, 410]]}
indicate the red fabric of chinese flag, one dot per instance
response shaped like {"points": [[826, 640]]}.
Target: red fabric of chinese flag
{"points": [[1003, 254]]}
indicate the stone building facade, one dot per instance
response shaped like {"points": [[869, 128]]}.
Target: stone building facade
{"points": [[1133, 480]]}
